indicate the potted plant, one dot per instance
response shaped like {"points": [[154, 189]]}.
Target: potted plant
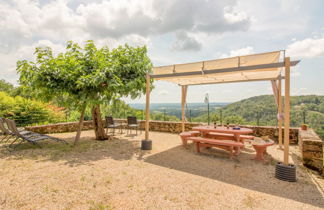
{"points": [[304, 127]]}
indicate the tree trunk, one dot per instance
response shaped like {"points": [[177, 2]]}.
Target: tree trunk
{"points": [[98, 124], [77, 137]]}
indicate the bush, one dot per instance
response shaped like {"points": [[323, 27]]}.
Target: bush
{"points": [[29, 112]]}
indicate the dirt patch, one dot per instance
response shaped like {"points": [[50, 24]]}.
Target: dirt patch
{"points": [[116, 174]]}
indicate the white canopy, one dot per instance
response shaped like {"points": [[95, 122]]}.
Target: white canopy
{"points": [[265, 66]]}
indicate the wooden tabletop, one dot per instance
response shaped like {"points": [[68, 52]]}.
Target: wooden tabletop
{"points": [[222, 129]]}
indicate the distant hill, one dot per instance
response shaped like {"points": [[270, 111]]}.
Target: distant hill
{"points": [[258, 110], [192, 109], [262, 110]]}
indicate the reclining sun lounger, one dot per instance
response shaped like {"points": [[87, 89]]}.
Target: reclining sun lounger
{"points": [[27, 136], [4, 131]]}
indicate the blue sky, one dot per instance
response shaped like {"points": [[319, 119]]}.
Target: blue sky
{"points": [[175, 31]]}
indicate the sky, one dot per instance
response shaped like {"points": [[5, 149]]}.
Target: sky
{"points": [[175, 31]]}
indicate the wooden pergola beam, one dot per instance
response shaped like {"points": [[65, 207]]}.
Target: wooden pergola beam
{"points": [[225, 70], [247, 80]]}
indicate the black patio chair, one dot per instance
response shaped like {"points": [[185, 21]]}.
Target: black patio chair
{"points": [[110, 123], [132, 124], [28, 136]]}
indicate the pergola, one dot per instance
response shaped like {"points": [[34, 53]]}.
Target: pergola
{"points": [[270, 66]]}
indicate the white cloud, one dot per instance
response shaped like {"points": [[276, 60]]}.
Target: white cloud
{"points": [[233, 16], [227, 91], [186, 42], [238, 52], [163, 92], [307, 48], [8, 60], [295, 73], [23, 23]]}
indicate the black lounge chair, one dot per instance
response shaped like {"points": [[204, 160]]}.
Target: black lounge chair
{"points": [[110, 123], [27, 136], [132, 124]]}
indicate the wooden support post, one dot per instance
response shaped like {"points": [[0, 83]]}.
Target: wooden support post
{"points": [[147, 119], [275, 91], [183, 102], [280, 113], [287, 110]]}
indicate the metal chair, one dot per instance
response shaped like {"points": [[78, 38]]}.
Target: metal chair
{"points": [[132, 124], [110, 123]]}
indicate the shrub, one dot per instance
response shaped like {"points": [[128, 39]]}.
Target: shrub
{"points": [[29, 112]]}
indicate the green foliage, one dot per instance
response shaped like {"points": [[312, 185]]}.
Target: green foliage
{"points": [[6, 86], [215, 117], [160, 116], [28, 112], [119, 109], [86, 74]]}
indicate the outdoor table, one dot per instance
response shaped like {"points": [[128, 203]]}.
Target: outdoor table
{"points": [[222, 129], [261, 149]]}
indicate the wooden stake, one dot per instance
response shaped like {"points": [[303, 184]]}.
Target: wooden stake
{"points": [[147, 124], [183, 102], [287, 110], [280, 113]]}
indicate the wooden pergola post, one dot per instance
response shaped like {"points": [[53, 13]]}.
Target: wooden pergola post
{"points": [[287, 110], [280, 113], [183, 103], [147, 109], [147, 143], [275, 91]]}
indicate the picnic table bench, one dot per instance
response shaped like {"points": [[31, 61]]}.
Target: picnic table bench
{"points": [[185, 135], [232, 146]]}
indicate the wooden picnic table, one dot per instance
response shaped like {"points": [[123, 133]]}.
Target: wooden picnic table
{"points": [[222, 129], [204, 130]]}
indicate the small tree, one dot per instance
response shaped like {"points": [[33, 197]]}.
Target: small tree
{"points": [[87, 77]]}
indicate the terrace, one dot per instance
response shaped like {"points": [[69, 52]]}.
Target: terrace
{"points": [[154, 170], [117, 173]]}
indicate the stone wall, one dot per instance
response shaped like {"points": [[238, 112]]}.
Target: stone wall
{"points": [[59, 127], [162, 126], [311, 147], [273, 133]]}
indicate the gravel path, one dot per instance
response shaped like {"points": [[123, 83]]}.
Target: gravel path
{"points": [[116, 174]]}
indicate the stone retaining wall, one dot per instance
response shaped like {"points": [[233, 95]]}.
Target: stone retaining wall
{"points": [[59, 127], [311, 147], [162, 126]]}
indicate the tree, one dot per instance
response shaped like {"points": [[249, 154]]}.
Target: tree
{"points": [[87, 76]]}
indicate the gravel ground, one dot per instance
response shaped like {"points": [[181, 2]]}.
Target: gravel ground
{"points": [[116, 174]]}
